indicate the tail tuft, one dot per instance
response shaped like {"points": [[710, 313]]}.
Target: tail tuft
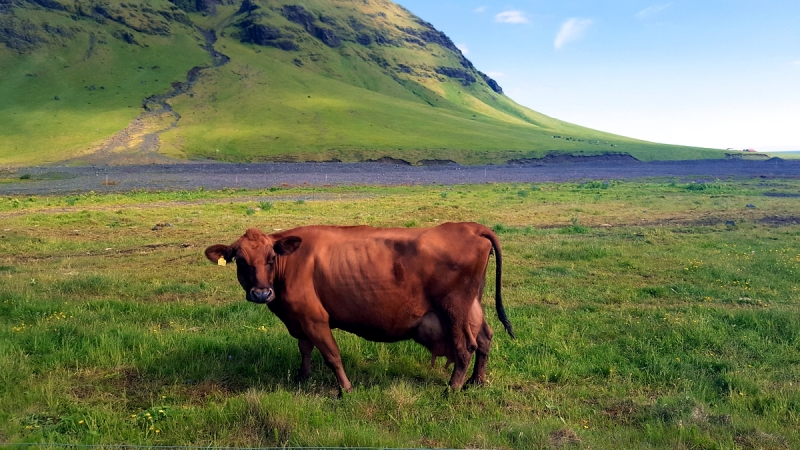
{"points": [[498, 297]]}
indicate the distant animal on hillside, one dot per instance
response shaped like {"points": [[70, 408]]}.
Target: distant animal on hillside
{"points": [[383, 284]]}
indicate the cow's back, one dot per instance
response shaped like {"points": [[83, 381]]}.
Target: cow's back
{"points": [[379, 282]]}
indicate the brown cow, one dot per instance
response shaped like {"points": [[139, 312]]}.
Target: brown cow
{"points": [[383, 284]]}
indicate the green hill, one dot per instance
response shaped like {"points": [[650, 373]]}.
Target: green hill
{"points": [[257, 80]]}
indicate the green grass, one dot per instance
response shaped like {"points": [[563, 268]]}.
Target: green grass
{"points": [[655, 325], [785, 155]]}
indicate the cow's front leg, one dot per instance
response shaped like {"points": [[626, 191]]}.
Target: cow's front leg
{"points": [[320, 335], [306, 347]]}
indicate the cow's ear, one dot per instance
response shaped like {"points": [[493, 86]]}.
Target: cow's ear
{"points": [[287, 245], [219, 251]]}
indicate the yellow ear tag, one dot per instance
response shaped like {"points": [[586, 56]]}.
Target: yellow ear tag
{"points": [[221, 261]]}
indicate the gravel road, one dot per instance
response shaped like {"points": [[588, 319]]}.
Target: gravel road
{"points": [[49, 180]]}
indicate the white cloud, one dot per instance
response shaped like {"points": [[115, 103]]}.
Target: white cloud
{"points": [[795, 63], [480, 9], [571, 30], [496, 74], [511, 16], [652, 10], [463, 48]]}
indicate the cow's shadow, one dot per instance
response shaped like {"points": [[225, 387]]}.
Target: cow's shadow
{"points": [[271, 361]]}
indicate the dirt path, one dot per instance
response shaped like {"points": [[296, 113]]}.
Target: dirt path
{"points": [[139, 142], [63, 180]]}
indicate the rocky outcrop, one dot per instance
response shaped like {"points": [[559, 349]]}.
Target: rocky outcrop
{"points": [[192, 5], [49, 4], [463, 75], [58, 31], [266, 36], [247, 7], [21, 35], [431, 35], [491, 83], [356, 24], [260, 34], [364, 39], [174, 16], [5, 6], [204, 6], [146, 21], [328, 37], [367, 35], [125, 37], [300, 16]]}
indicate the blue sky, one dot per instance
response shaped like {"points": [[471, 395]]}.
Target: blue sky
{"points": [[710, 73]]}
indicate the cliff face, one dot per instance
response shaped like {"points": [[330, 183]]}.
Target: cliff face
{"points": [[285, 26], [28, 25]]}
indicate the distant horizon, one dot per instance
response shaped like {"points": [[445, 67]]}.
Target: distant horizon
{"points": [[711, 74], [769, 150]]}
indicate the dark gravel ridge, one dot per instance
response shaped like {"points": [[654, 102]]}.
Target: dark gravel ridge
{"points": [[48, 180]]}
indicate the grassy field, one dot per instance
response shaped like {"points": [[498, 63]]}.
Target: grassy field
{"points": [[652, 314], [785, 155]]}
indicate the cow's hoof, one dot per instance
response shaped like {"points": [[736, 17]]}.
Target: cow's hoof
{"points": [[451, 390], [474, 382], [344, 391], [301, 377]]}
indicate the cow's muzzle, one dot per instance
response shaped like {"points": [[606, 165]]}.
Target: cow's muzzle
{"points": [[260, 295]]}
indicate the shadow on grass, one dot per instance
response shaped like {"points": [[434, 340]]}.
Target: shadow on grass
{"points": [[209, 365]]}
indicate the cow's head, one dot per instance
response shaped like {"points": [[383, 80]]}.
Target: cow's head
{"points": [[256, 256]]}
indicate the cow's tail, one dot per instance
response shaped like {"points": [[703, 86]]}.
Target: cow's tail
{"points": [[498, 297]]}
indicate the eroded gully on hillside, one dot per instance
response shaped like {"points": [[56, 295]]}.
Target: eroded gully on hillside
{"points": [[139, 142]]}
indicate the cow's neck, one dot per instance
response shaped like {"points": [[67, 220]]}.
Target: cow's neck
{"points": [[280, 269]]}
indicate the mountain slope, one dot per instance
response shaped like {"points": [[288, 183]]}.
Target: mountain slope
{"points": [[253, 80]]}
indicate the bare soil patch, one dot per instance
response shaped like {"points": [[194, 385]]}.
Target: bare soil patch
{"points": [[562, 437], [781, 220]]}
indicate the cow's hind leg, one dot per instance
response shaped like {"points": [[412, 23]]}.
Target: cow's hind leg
{"points": [[464, 345], [319, 333], [482, 355], [306, 347], [462, 358]]}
